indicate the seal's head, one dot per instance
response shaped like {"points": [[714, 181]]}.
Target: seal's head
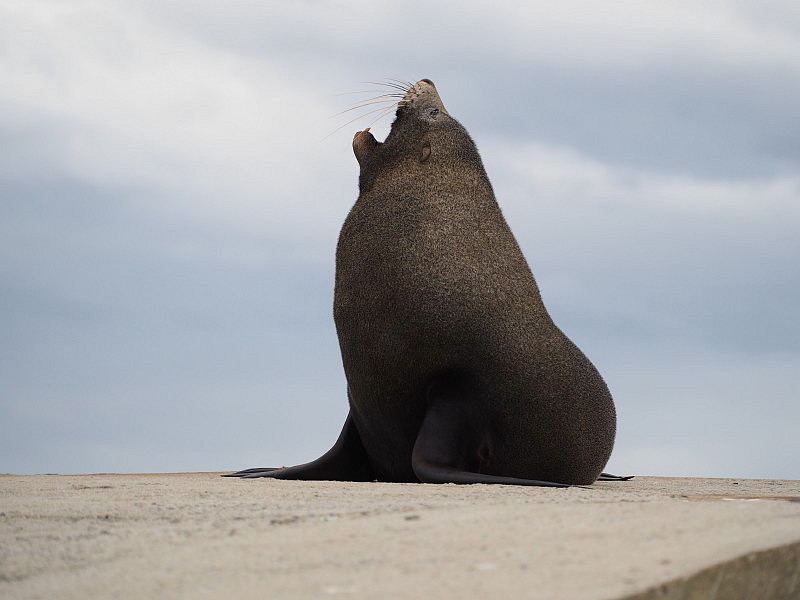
{"points": [[423, 132], [422, 102]]}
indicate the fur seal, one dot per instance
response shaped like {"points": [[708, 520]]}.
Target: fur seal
{"points": [[456, 373]]}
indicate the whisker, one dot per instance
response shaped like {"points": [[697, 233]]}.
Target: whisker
{"points": [[388, 84], [406, 85], [399, 95], [362, 106], [392, 83], [392, 98], [380, 116], [382, 109]]}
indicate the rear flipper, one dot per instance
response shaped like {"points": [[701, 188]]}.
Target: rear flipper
{"points": [[610, 477], [345, 461], [447, 447]]}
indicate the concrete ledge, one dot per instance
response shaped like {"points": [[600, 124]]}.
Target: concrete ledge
{"points": [[195, 535], [770, 574]]}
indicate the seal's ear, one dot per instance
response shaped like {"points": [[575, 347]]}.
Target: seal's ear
{"points": [[425, 154], [363, 144]]}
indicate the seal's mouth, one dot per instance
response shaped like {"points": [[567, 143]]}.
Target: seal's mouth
{"points": [[403, 98]]}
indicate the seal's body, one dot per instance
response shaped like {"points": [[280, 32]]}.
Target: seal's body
{"points": [[455, 370]]}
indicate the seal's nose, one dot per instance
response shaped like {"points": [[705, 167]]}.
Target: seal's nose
{"points": [[427, 81]]}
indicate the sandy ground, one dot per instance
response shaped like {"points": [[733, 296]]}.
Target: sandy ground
{"points": [[197, 535]]}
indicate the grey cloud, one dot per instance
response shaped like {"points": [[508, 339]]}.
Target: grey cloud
{"points": [[697, 119], [137, 336], [682, 105], [111, 340], [658, 278]]}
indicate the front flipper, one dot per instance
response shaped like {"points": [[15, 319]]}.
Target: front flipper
{"points": [[345, 461], [252, 473], [447, 446]]}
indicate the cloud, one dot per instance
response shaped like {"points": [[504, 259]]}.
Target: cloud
{"points": [[170, 211], [113, 99], [697, 415], [643, 256]]}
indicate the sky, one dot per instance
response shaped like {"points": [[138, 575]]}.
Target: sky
{"points": [[173, 177]]}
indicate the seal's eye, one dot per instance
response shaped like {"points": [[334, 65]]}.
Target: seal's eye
{"points": [[432, 112]]}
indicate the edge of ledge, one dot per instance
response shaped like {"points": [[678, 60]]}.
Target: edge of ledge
{"points": [[770, 574]]}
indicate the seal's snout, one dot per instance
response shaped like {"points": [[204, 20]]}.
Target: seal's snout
{"points": [[425, 86], [423, 97]]}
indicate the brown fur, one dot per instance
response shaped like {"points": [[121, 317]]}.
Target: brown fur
{"points": [[434, 296]]}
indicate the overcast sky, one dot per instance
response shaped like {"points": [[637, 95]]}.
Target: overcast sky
{"points": [[172, 184]]}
